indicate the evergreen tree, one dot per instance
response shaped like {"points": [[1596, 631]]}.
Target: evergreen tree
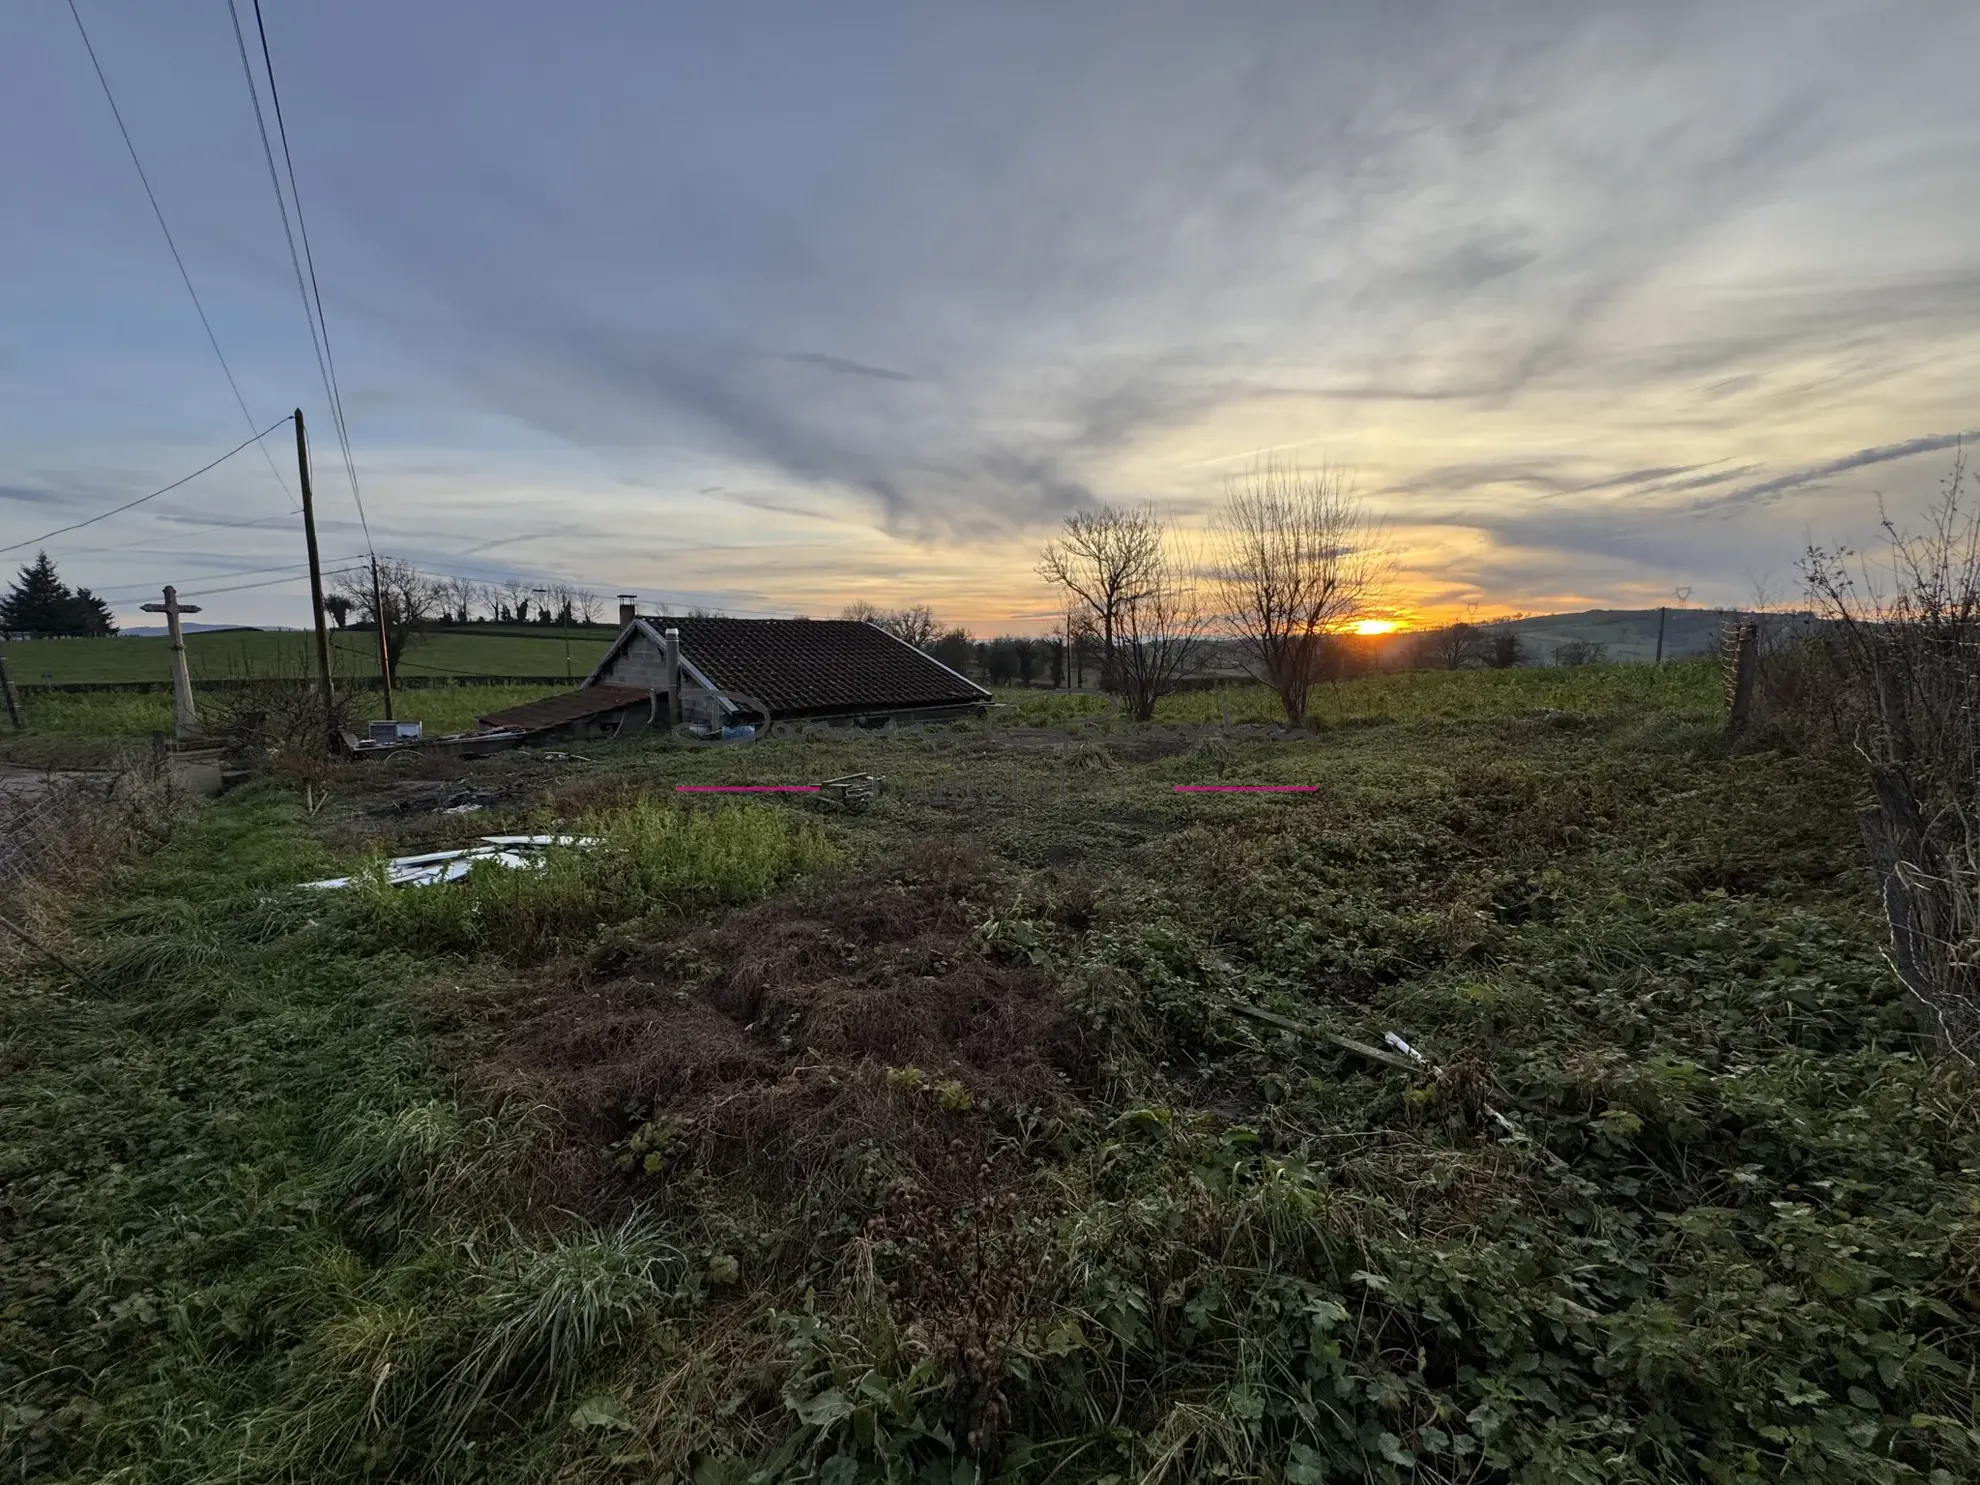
{"points": [[39, 602], [90, 615]]}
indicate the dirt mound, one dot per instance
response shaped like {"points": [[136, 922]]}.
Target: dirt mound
{"points": [[768, 1046]]}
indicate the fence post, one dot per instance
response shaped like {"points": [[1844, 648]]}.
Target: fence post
{"points": [[1741, 652], [13, 702]]}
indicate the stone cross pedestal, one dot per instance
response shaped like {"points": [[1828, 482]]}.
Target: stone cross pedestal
{"points": [[185, 720]]}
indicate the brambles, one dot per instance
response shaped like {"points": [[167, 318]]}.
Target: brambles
{"points": [[1904, 695]]}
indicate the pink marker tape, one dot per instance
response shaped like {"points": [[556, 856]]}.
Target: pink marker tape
{"points": [[746, 788], [1245, 788]]}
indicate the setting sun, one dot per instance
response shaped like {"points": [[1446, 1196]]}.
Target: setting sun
{"points": [[1376, 626]]}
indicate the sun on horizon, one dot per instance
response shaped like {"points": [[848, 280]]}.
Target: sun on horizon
{"points": [[1376, 626]]}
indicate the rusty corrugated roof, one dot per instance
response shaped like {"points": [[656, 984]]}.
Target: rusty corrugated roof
{"points": [[571, 706]]}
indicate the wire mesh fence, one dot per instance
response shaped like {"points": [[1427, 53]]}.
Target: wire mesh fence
{"points": [[60, 827]]}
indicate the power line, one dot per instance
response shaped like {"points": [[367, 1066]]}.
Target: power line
{"points": [[157, 211], [127, 590], [129, 504], [294, 577], [202, 526], [312, 296]]}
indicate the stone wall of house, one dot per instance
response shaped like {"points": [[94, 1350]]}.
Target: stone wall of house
{"points": [[640, 663], [643, 663]]}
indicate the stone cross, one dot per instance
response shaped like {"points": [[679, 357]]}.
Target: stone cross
{"points": [[185, 720]]}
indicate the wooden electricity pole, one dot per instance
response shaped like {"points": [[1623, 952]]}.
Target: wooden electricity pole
{"points": [[384, 650], [316, 589]]}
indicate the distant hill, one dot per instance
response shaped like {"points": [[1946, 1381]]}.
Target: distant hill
{"points": [[152, 631], [1626, 633], [1630, 634]]}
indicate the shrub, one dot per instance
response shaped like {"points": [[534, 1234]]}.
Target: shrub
{"points": [[1906, 661], [650, 859]]}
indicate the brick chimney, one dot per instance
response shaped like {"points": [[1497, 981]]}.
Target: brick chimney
{"points": [[628, 608]]}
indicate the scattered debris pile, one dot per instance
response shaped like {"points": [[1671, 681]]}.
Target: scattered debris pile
{"points": [[520, 852]]}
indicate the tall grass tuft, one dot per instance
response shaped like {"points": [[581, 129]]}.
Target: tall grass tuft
{"points": [[651, 859], [544, 1317], [411, 1367]]}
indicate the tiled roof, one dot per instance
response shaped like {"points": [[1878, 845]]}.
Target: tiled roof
{"points": [[571, 706], [817, 667]]}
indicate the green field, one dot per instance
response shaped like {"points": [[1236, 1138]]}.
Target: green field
{"points": [[443, 651], [125, 714], [1690, 687], [1037, 1125]]}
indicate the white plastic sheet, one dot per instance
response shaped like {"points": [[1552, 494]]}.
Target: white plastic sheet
{"points": [[519, 852]]}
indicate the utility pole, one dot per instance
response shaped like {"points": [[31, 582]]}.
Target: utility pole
{"points": [[1660, 636], [185, 720], [384, 650], [316, 590]]}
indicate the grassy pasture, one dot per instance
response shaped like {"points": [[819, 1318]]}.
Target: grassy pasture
{"points": [[1002, 1133], [125, 714], [1689, 688], [443, 651]]}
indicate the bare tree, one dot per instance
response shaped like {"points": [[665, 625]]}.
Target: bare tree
{"points": [[589, 605], [1081, 645], [1458, 646], [1298, 558], [455, 597], [1160, 632], [559, 602], [914, 625], [1105, 560], [338, 607], [512, 597], [405, 601]]}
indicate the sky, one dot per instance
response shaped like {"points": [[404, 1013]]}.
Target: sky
{"points": [[772, 308]]}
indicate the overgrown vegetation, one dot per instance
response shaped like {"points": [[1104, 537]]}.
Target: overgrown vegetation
{"points": [[646, 864], [1896, 678], [1038, 1124]]}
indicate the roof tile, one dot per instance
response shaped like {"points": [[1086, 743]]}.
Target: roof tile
{"points": [[817, 667]]}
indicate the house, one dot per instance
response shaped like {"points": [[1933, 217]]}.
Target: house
{"points": [[716, 671]]}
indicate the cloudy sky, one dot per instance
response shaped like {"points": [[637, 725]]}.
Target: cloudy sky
{"points": [[769, 307]]}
